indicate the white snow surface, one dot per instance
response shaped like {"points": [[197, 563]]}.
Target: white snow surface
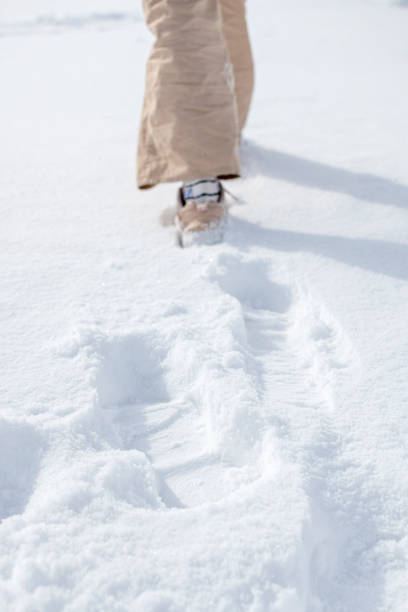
{"points": [[218, 428]]}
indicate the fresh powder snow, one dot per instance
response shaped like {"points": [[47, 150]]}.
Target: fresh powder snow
{"points": [[214, 428]]}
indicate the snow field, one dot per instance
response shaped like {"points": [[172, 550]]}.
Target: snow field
{"points": [[220, 425], [217, 428]]}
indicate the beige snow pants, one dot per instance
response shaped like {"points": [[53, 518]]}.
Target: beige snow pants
{"points": [[199, 80]]}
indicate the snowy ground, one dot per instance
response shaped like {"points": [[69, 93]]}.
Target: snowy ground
{"points": [[218, 428]]}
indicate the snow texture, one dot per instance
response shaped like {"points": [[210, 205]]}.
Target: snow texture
{"points": [[216, 428]]}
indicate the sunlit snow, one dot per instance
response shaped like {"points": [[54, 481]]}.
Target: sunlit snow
{"points": [[214, 428]]}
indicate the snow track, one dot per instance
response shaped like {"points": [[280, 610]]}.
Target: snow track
{"points": [[236, 395], [202, 400], [231, 408]]}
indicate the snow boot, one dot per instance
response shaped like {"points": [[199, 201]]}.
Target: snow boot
{"points": [[201, 215]]}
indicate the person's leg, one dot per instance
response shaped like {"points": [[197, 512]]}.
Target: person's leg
{"points": [[236, 35], [189, 127]]}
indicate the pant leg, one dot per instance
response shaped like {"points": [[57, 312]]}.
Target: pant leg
{"points": [[189, 127], [239, 48]]}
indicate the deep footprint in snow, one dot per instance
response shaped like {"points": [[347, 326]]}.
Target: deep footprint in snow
{"points": [[264, 303], [250, 284], [276, 314], [132, 390], [321, 346], [21, 449]]}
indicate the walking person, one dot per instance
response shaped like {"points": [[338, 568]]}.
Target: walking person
{"points": [[199, 81]]}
